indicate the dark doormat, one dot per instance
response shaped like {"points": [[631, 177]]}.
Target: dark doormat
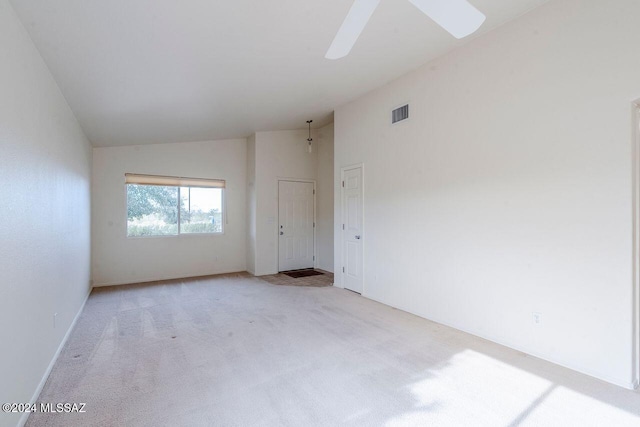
{"points": [[302, 273]]}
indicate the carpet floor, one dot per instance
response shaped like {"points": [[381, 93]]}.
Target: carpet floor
{"points": [[234, 350]]}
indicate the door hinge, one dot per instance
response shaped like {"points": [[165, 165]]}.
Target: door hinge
{"points": [[342, 184], [314, 257], [343, 226], [314, 191], [314, 225], [343, 269]]}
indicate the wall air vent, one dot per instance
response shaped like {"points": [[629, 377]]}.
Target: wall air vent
{"points": [[400, 113]]}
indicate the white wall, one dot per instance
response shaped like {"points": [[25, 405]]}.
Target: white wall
{"points": [[279, 154], [324, 199], [45, 169], [251, 204], [118, 259], [508, 191]]}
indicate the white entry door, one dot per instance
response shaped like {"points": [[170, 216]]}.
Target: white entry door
{"points": [[352, 229], [295, 226]]}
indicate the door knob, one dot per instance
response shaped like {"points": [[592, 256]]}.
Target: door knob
{"points": [[281, 233], [357, 237]]}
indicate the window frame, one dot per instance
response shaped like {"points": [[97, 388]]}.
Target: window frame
{"points": [[223, 208]]}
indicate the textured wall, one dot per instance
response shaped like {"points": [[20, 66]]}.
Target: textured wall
{"points": [[280, 154], [324, 199], [45, 170], [508, 191], [118, 259]]}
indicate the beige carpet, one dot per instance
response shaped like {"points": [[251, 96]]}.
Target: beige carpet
{"points": [[234, 350]]}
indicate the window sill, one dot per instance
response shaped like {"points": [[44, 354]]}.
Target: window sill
{"points": [[173, 236]]}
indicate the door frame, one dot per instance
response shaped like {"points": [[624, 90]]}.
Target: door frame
{"points": [[342, 221], [635, 111], [315, 219]]}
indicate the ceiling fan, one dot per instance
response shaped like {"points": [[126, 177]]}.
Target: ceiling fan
{"points": [[458, 17]]}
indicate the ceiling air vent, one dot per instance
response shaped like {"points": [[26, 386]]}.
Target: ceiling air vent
{"points": [[400, 113]]}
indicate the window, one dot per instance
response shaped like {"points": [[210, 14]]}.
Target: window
{"points": [[168, 206]]}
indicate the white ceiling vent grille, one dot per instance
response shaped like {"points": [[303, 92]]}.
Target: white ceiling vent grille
{"points": [[400, 113]]}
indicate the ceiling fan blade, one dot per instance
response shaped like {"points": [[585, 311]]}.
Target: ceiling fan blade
{"points": [[353, 24], [458, 17]]}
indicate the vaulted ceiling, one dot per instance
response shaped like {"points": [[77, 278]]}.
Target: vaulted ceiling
{"points": [[153, 71]]}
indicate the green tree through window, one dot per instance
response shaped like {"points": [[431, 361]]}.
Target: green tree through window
{"points": [[152, 210]]}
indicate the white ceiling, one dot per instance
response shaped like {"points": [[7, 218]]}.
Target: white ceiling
{"points": [[152, 71]]}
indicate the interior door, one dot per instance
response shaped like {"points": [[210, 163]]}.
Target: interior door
{"points": [[295, 225], [352, 234]]}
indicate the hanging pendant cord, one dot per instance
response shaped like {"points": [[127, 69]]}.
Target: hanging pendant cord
{"points": [[309, 139]]}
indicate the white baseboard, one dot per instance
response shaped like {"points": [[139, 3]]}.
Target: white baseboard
{"points": [[265, 273], [36, 394], [157, 279]]}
